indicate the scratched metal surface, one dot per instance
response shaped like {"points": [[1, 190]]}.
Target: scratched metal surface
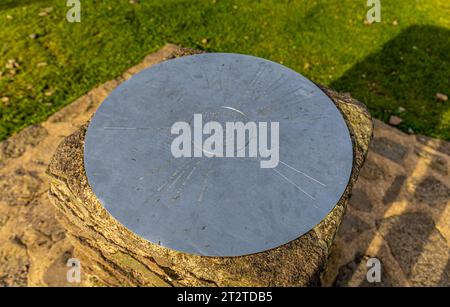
{"points": [[217, 206]]}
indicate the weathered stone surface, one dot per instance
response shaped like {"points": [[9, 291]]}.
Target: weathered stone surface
{"points": [[432, 191], [423, 263], [410, 202], [126, 259], [356, 270], [360, 200], [56, 274], [15, 146], [437, 144], [14, 264], [353, 226], [372, 171], [394, 190], [19, 187], [436, 162], [445, 276], [388, 149]]}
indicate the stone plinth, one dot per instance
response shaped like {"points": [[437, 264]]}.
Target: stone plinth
{"points": [[118, 257]]}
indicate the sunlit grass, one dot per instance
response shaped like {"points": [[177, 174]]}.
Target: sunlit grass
{"points": [[59, 61]]}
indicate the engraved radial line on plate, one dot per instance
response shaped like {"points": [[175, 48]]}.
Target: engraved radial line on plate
{"points": [[275, 84], [179, 176], [176, 179], [290, 181], [290, 92], [161, 88], [222, 89], [205, 74], [186, 179], [293, 103], [180, 99], [258, 89], [304, 174], [258, 73], [135, 128], [171, 177], [296, 98], [220, 78], [274, 102], [295, 185], [255, 82], [227, 90], [296, 113], [274, 89], [205, 183], [269, 88]]}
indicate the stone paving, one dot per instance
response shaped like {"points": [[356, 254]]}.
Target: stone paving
{"points": [[399, 211]]}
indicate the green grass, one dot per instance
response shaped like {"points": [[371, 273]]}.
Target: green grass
{"points": [[386, 66]]}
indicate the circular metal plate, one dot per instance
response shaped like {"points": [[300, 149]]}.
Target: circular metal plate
{"points": [[218, 206]]}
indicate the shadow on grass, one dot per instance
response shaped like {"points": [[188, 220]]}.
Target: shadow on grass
{"points": [[406, 73]]}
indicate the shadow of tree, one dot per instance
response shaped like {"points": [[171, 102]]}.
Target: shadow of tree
{"points": [[406, 73]]}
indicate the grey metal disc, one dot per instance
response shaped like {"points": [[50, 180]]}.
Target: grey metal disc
{"points": [[218, 206]]}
